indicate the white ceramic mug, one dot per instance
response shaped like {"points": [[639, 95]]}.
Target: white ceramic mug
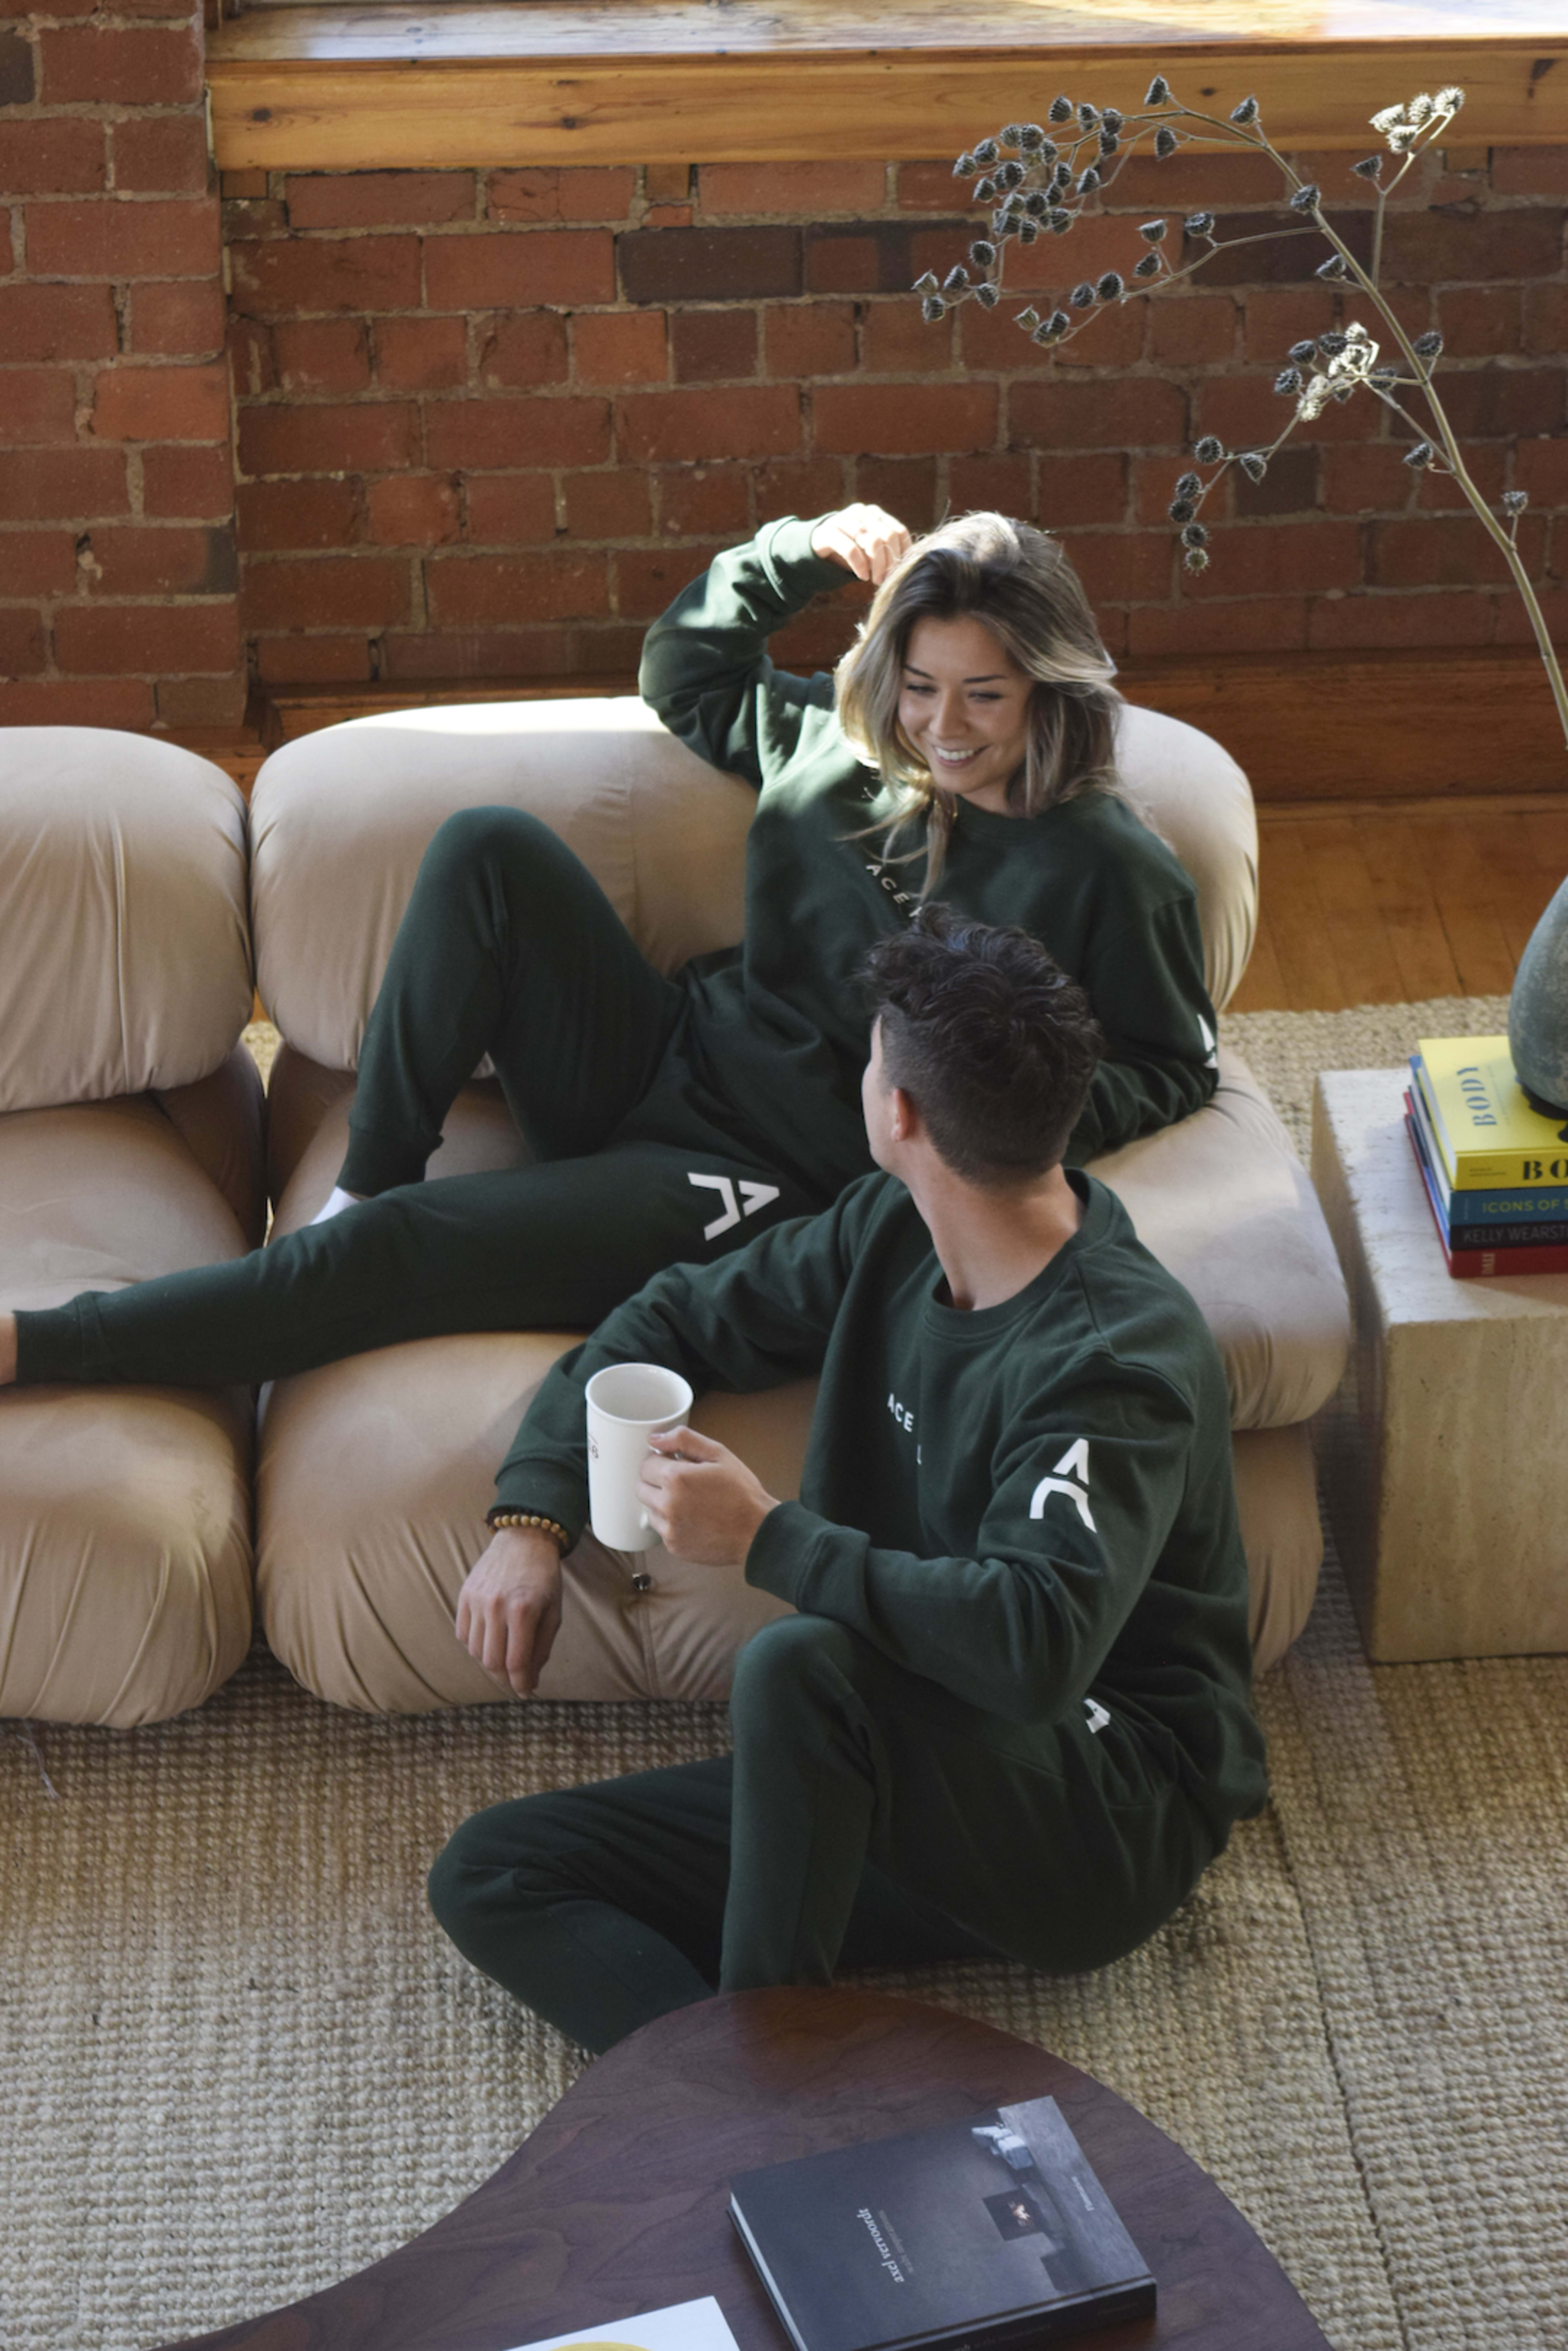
{"points": [[627, 1404]]}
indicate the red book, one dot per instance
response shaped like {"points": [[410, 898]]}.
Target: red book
{"points": [[1468, 1264]]}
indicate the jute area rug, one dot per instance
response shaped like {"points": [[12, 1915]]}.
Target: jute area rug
{"points": [[239, 2061]]}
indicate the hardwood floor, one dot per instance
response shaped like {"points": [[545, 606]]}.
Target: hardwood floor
{"points": [[1364, 901]]}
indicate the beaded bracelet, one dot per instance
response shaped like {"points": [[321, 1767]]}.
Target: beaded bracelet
{"points": [[532, 1518]]}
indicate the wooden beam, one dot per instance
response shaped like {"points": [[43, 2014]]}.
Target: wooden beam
{"points": [[596, 81]]}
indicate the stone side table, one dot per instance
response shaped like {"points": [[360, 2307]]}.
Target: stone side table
{"points": [[1445, 1452]]}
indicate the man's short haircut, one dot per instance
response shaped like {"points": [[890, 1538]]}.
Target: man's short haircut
{"points": [[989, 1037]]}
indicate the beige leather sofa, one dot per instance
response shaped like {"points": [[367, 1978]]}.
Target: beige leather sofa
{"points": [[374, 1475], [131, 1143]]}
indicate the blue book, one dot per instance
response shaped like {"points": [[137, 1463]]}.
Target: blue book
{"points": [[1501, 1218]]}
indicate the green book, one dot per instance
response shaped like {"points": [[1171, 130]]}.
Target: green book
{"points": [[1489, 1135]]}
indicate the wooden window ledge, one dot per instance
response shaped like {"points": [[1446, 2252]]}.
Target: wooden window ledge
{"points": [[640, 81]]}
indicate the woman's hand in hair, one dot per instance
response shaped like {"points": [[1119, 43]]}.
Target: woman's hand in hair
{"points": [[867, 541]]}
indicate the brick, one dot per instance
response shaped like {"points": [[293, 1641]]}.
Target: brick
{"points": [[1511, 620], [1529, 171], [53, 158], [1375, 479], [57, 322], [94, 639], [242, 183], [38, 562], [166, 155], [177, 559], [520, 653], [1279, 558], [1274, 317], [1544, 327], [1124, 566], [251, 362], [708, 265], [705, 501], [1445, 551], [620, 346], [372, 437], [613, 505], [1429, 247], [18, 71], [896, 341], [22, 649], [819, 638], [501, 434], [1361, 621], [312, 660], [1289, 255], [201, 701], [1290, 486], [125, 703], [254, 217], [709, 346], [667, 216], [182, 319], [303, 274], [751, 420], [314, 355], [364, 592], [760, 189], [145, 238], [37, 405], [1119, 412], [431, 354], [1091, 489], [146, 65], [896, 419], [816, 486], [1541, 470], [1192, 330], [880, 256], [511, 510], [413, 510], [810, 338], [568, 194], [1486, 402], [1245, 625], [462, 590], [286, 517], [649, 579], [930, 187], [1186, 182], [378, 199], [667, 183], [1055, 265], [1245, 412], [998, 485], [1481, 321], [501, 271], [905, 486], [187, 481], [162, 403]]}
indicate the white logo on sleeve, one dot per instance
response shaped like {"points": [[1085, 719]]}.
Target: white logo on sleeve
{"points": [[753, 1197], [1073, 1466], [1211, 1046]]}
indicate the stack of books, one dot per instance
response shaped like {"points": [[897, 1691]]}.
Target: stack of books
{"points": [[1496, 1171]]}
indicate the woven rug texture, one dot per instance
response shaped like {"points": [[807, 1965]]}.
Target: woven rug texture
{"points": [[238, 2060]]}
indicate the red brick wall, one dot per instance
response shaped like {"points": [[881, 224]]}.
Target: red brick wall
{"points": [[489, 422], [117, 556]]}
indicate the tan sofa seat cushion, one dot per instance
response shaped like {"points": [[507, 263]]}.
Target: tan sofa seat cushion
{"points": [[123, 914], [125, 1556]]}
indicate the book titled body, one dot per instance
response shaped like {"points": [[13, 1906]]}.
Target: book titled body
{"points": [[992, 2235], [1488, 1136], [1488, 1257]]}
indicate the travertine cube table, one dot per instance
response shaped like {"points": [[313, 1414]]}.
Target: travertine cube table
{"points": [[1445, 1452]]}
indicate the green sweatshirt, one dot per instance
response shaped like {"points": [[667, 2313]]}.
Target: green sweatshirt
{"points": [[779, 1027], [1031, 1504]]}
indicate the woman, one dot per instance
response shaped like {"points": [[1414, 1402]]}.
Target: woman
{"points": [[965, 747]]}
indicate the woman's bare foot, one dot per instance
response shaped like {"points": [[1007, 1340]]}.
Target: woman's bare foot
{"points": [[7, 1350]]}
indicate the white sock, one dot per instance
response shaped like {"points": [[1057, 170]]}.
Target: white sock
{"points": [[335, 1201]]}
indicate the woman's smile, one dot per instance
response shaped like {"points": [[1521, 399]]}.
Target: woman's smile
{"points": [[964, 708]]}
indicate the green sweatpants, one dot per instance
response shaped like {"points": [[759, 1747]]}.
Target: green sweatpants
{"points": [[509, 947], [868, 1818]]}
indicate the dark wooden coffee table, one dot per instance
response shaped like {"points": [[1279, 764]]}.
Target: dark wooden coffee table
{"points": [[617, 2201]]}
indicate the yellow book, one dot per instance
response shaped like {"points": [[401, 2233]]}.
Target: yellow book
{"points": [[1489, 1135]]}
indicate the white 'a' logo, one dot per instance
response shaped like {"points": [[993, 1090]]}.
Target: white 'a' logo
{"points": [[1211, 1046], [753, 1196], [1074, 1464]]}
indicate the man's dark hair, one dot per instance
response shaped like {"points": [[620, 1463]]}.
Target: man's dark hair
{"points": [[989, 1037]]}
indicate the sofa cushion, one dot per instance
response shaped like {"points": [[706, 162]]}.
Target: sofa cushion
{"points": [[122, 907]]}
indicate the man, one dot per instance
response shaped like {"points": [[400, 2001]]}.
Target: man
{"points": [[1011, 1716]]}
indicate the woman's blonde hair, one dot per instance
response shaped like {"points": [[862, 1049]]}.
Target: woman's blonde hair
{"points": [[1019, 583]]}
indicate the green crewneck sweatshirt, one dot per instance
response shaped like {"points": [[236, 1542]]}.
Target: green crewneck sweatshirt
{"points": [[779, 1028], [1031, 1504]]}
